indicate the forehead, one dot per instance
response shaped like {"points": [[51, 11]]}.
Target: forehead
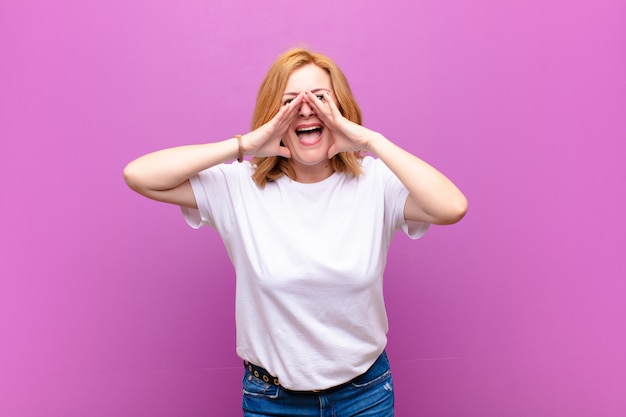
{"points": [[308, 77]]}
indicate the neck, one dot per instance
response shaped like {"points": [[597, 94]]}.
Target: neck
{"points": [[308, 174]]}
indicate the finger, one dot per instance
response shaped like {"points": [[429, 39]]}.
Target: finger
{"points": [[281, 114], [320, 107], [283, 118], [284, 151], [313, 99], [296, 103], [292, 108], [331, 104], [333, 150]]}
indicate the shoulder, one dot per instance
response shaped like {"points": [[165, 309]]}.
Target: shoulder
{"points": [[367, 163], [371, 165], [229, 172]]}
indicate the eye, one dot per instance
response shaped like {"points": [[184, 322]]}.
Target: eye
{"points": [[287, 101], [320, 96]]}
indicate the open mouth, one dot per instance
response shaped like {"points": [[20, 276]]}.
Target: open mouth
{"points": [[309, 135]]}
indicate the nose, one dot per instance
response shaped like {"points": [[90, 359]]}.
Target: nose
{"points": [[306, 110]]}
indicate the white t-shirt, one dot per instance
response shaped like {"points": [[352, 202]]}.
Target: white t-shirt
{"points": [[309, 260]]}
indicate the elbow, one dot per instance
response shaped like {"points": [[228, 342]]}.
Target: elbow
{"points": [[455, 212], [132, 177]]}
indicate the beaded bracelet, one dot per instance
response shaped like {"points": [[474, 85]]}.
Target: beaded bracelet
{"points": [[240, 154]]}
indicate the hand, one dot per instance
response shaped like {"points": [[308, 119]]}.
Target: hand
{"points": [[265, 140], [347, 135]]}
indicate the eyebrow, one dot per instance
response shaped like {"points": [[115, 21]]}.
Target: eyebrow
{"points": [[315, 90]]}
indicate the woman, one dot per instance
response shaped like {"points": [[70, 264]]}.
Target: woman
{"points": [[307, 224]]}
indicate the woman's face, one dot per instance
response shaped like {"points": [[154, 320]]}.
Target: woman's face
{"points": [[307, 138]]}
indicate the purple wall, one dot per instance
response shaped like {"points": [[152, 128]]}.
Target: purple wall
{"points": [[111, 306]]}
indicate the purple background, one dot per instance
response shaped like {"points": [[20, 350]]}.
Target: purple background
{"points": [[111, 306]]}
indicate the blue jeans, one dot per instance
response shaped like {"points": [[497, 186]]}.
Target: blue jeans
{"points": [[370, 394]]}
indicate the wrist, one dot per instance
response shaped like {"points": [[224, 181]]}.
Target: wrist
{"points": [[374, 143], [239, 148]]}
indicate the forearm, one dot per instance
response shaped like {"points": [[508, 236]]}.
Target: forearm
{"points": [[168, 168], [432, 196]]}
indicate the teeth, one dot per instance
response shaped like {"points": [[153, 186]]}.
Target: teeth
{"points": [[308, 129]]}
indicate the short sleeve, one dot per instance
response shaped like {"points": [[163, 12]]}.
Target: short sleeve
{"points": [[395, 199], [415, 230], [217, 191], [197, 217]]}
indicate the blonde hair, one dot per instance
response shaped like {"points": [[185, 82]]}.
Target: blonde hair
{"points": [[268, 103]]}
